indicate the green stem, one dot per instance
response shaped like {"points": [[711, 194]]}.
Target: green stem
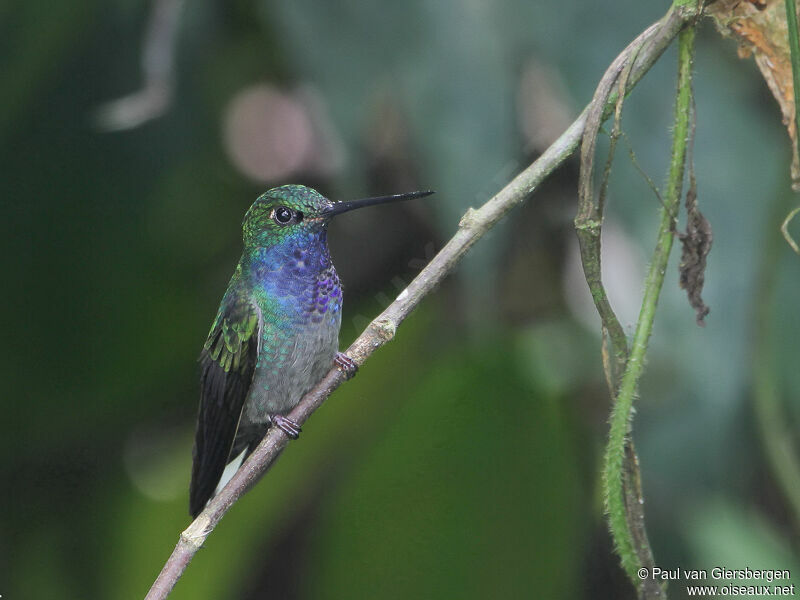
{"points": [[622, 410], [794, 50]]}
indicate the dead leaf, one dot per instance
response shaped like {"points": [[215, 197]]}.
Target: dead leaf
{"points": [[759, 26], [696, 244]]}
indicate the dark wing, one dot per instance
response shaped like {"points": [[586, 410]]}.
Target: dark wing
{"points": [[227, 365]]}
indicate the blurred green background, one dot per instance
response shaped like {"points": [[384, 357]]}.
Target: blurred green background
{"points": [[463, 460]]}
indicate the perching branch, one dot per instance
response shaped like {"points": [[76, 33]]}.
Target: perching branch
{"points": [[474, 224]]}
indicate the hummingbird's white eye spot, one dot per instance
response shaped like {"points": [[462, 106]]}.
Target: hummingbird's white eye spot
{"points": [[282, 215]]}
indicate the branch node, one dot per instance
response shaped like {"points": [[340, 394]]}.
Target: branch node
{"points": [[196, 533], [470, 219], [385, 328], [591, 225]]}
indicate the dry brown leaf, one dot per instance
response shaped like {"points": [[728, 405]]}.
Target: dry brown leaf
{"points": [[696, 244], [759, 26]]}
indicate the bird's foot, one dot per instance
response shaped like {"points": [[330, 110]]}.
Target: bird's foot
{"points": [[346, 365], [286, 425]]}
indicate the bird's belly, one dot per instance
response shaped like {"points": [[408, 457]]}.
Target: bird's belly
{"points": [[291, 368]]}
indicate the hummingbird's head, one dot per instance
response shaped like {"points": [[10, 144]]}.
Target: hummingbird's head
{"points": [[296, 211], [282, 213]]}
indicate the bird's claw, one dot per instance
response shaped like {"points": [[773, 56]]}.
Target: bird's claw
{"points": [[346, 365], [286, 425]]}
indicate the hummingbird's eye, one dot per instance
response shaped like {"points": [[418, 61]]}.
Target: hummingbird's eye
{"points": [[282, 215]]}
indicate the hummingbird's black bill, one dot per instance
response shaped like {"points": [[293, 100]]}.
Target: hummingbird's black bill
{"points": [[343, 207]]}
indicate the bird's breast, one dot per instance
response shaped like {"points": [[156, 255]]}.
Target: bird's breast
{"points": [[301, 304], [290, 363]]}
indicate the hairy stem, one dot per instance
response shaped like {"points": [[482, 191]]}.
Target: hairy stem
{"points": [[622, 410], [474, 224]]}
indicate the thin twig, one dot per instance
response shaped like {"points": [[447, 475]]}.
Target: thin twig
{"points": [[474, 224], [785, 230], [637, 165], [589, 220]]}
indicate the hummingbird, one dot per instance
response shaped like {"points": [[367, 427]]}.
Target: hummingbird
{"points": [[276, 332]]}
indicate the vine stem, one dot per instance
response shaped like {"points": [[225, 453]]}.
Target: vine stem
{"points": [[794, 53], [774, 425], [474, 225], [623, 406]]}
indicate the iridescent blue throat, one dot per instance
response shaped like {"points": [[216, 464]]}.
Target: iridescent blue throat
{"points": [[298, 275]]}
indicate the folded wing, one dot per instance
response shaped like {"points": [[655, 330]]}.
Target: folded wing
{"points": [[227, 364]]}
